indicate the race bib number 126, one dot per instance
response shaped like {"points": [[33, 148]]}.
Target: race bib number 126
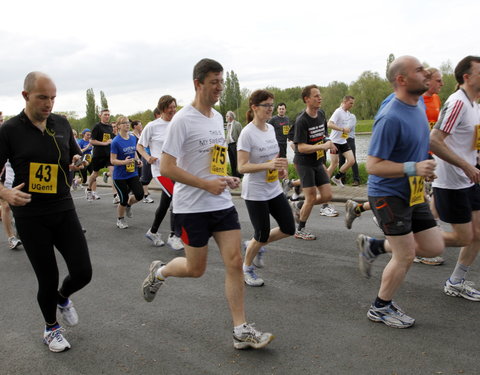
{"points": [[43, 178]]}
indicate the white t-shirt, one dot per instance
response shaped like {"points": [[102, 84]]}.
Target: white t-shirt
{"points": [[153, 136], [342, 119], [262, 146], [190, 139], [458, 119], [9, 175]]}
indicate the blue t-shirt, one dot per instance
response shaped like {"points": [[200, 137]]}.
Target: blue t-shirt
{"points": [[400, 134], [123, 148], [83, 143], [389, 98]]}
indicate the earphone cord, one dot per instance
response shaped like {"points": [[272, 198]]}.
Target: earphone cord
{"points": [[52, 134]]}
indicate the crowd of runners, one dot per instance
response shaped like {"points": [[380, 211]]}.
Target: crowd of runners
{"points": [[422, 166]]}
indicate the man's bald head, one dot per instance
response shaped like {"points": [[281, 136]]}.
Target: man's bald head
{"points": [[400, 66], [31, 80]]}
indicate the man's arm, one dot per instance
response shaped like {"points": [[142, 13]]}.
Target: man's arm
{"points": [[390, 169], [441, 149], [305, 148], [149, 158], [169, 168]]}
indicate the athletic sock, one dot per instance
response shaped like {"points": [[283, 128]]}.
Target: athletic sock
{"points": [[359, 209], [379, 303], [301, 225], [159, 274], [459, 273], [339, 175], [377, 247], [51, 327]]}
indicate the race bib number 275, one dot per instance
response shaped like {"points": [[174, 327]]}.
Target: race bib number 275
{"points": [[218, 164]]}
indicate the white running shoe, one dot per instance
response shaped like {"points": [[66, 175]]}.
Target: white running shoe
{"points": [[463, 289], [251, 338], [251, 277], [69, 314], [122, 224], [365, 259], [14, 242], [295, 211], [337, 181], [350, 213], [89, 195], [55, 340], [147, 199], [95, 195], [259, 260], [152, 283], [156, 238], [105, 177], [175, 242], [116, 199], [390, 315], [328, 211]]}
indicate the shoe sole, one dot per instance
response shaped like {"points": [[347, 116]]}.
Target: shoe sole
{"points": [[240, 345], [376, 319], [306, 239], [455, 293]]}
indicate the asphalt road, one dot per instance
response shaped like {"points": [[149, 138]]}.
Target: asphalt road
{"points": [[314, 301]]}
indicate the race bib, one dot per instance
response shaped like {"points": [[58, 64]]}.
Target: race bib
{"points": [[106, 137], [320, 153], [285, 129], [272, 175], [432, 124], [344, 135], [218, 164], [417, 195], [43, 178], [130, 167], [477, 138]]}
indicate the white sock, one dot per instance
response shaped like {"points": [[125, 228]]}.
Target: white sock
{"points": [[159, 274]]}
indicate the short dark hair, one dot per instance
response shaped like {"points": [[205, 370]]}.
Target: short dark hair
{"points": [[280, 104], [307, 90], [256, 98], [205, 66], [104, 110], [164, 102], [135, 123], [156, 111], [346, 98], [465, 67]]}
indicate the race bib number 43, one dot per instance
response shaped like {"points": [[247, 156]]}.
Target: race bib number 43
{"points": [[43, 178], [218, 164]]}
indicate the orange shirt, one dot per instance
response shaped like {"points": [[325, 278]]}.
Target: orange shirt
{"points": [[432, 104]]}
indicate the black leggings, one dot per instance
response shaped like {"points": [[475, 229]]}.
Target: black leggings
{"points": [[125, 186], [39, 235], [260, 211], [160, 213]]}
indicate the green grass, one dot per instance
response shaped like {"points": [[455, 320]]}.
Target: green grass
{"points": [[364, 126]]}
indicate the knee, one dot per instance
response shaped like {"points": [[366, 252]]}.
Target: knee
{"points": [[466, 239], [196, 271]]}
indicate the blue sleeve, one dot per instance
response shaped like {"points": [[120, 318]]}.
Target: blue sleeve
{"points": [[114, 147], [384, 136]]}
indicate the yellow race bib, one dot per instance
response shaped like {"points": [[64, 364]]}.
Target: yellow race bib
{"points": [[417, 195], [285, 129], [43, 178], [272, 175], [106, 137], [432, 124], [477, 138], [130, 167], [320, 153], [344, 135], [218, 164]]}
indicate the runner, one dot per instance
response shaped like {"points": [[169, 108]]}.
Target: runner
{"points": [[153, 137], [41, 149], [194, 155], [454, 141], [258, 159], [397, 164], [7, 179], [125, 163]]}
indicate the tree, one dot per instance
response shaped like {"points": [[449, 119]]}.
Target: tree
{"points": [[91, 110], [103, 100], [231, 95], [332, 96], [369, 91], [449, 81]]}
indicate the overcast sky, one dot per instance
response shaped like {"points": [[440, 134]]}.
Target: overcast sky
{"points": [[137, 51]]}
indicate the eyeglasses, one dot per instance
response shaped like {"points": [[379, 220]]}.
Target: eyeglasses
{"points": [[124, 122], [266, 105]]}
